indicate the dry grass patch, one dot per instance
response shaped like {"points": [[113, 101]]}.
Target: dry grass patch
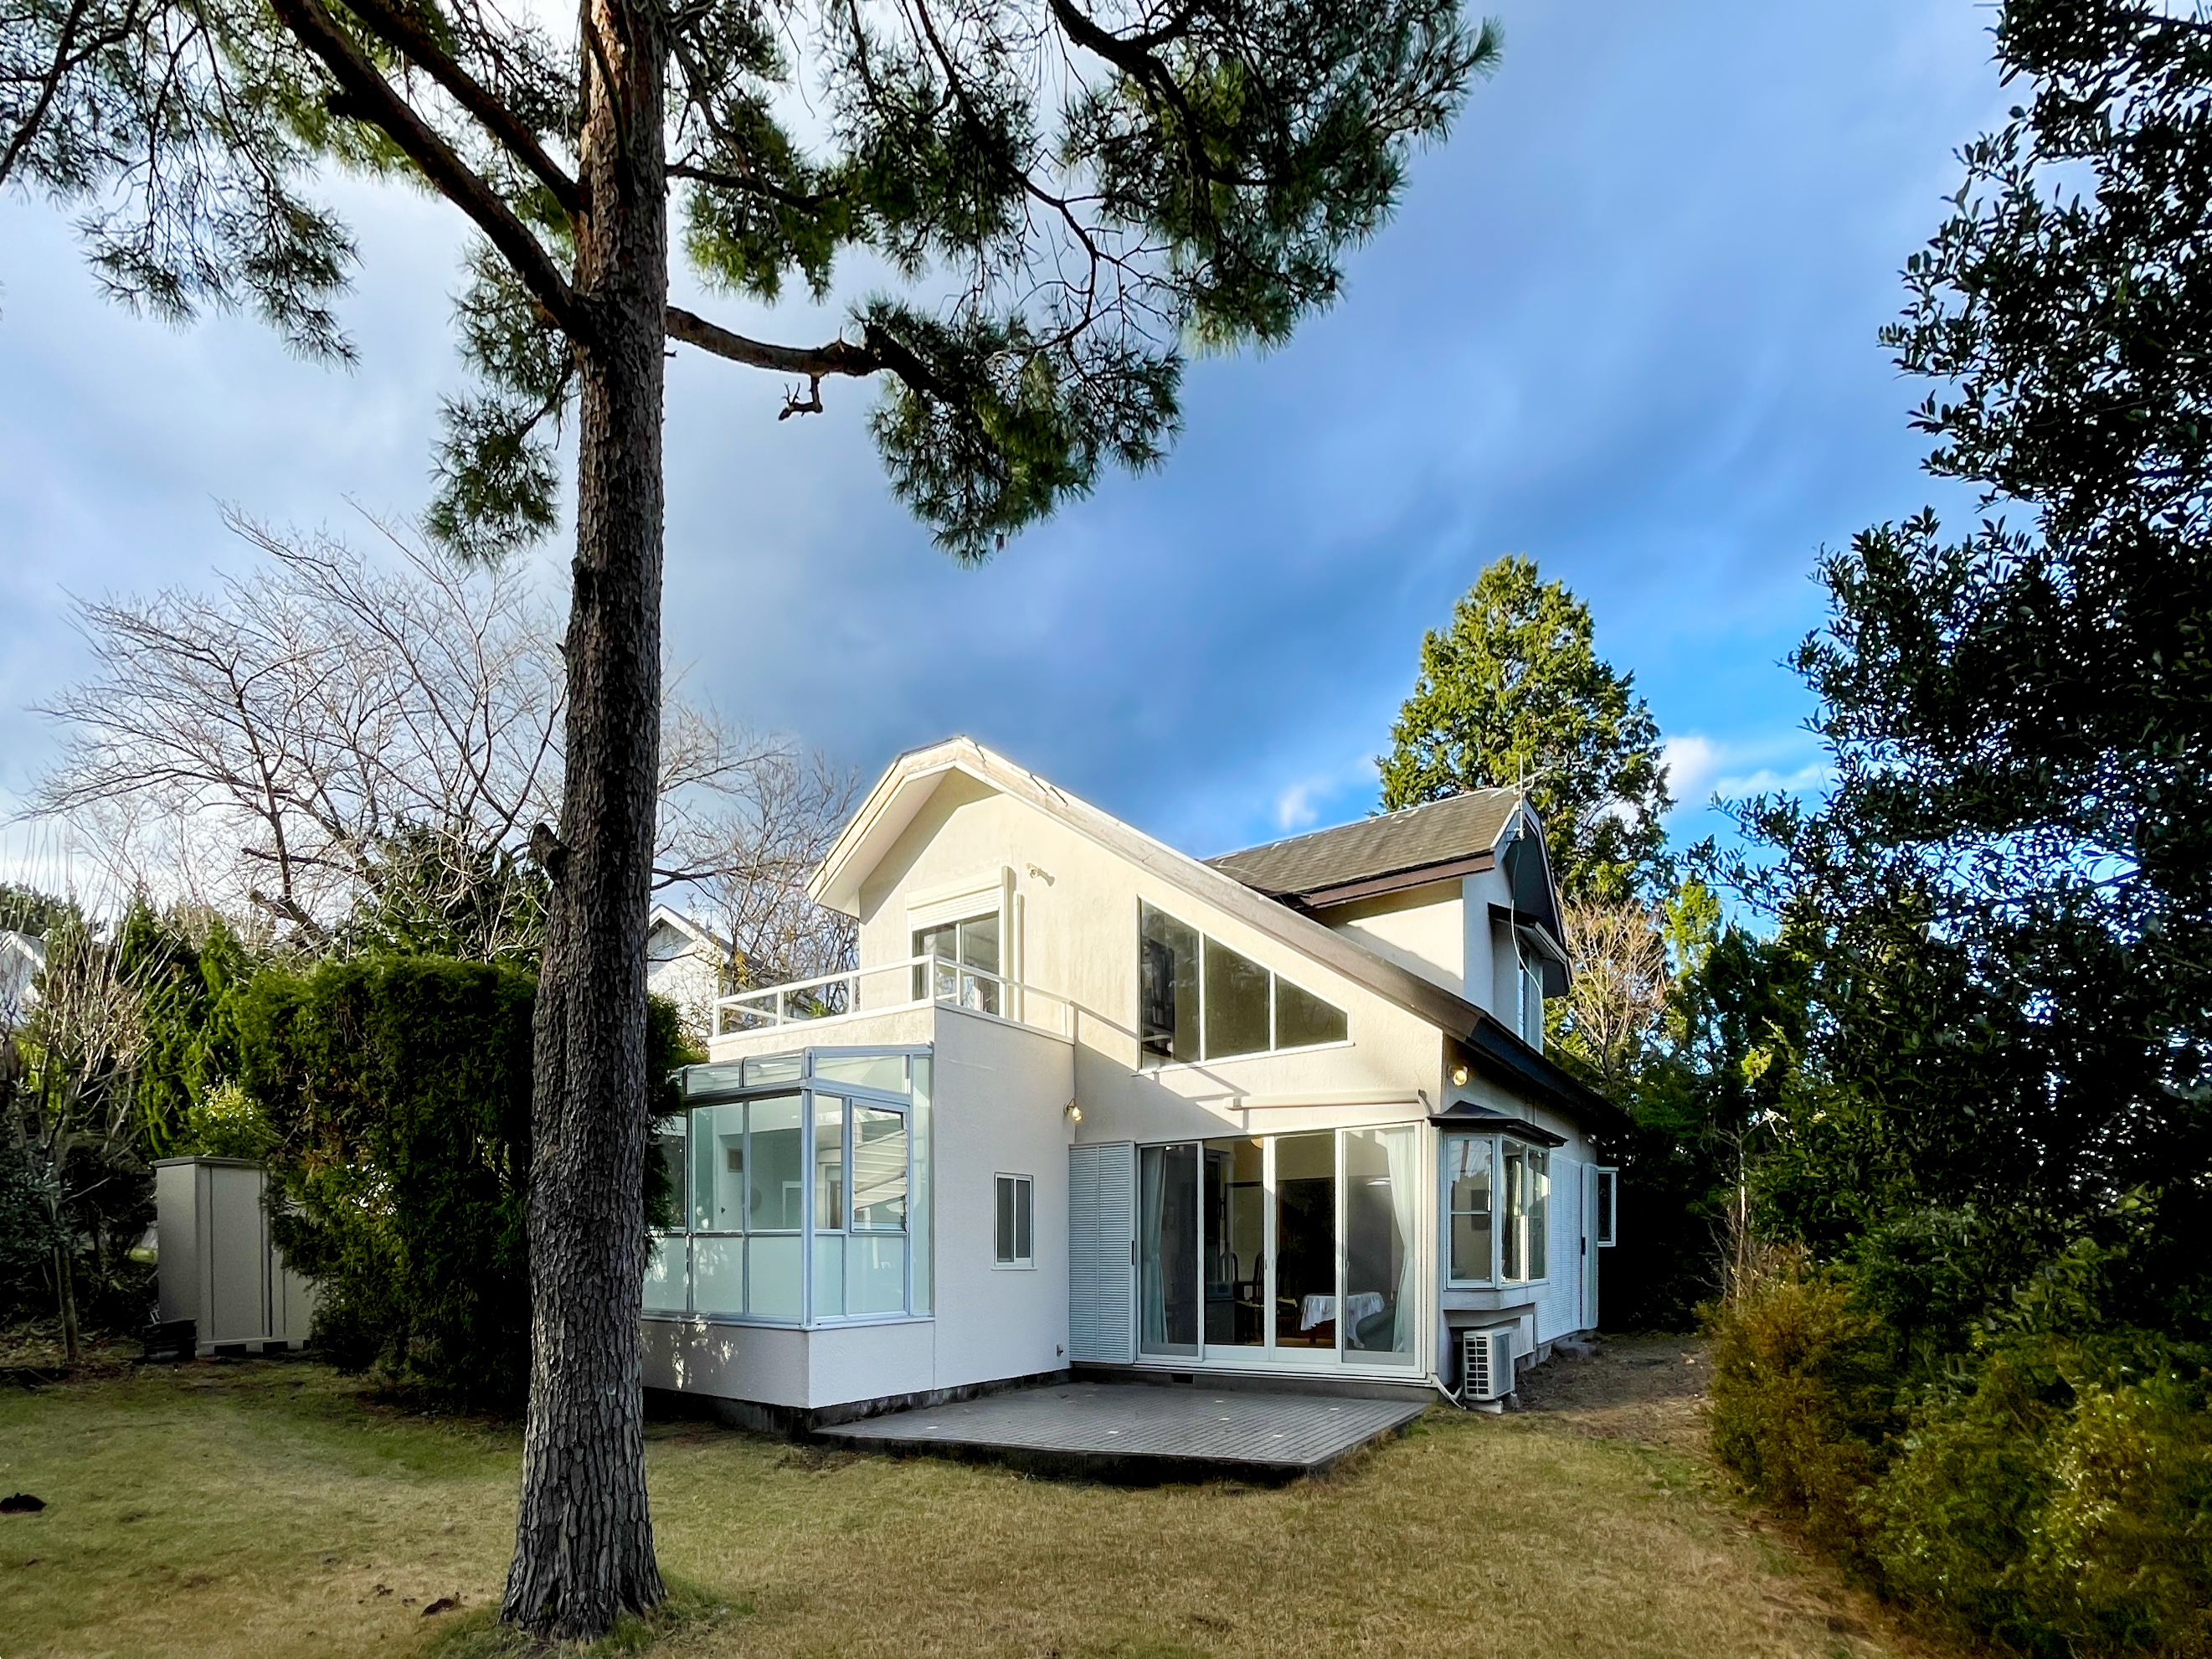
{"points": [[269, 1509]]}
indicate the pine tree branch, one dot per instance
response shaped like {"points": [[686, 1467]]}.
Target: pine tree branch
{"points": [[877, 353], [370, 98], [472, 95]]}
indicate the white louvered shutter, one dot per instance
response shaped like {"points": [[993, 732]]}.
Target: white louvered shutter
{"points": [[1102, 1275]]}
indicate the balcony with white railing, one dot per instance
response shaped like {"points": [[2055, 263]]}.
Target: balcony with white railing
{"points": [[890, 988]]}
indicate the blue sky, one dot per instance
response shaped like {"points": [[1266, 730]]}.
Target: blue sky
{"points": [[1624, 323]]}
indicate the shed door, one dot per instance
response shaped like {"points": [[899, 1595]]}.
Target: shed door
{"points": [[1101, 1252]]}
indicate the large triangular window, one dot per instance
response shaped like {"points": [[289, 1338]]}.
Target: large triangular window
{"points": [[1199, 999]]}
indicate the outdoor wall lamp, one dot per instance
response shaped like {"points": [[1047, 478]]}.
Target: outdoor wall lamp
{"points": [[1074, 1112], [1459, 1077]]}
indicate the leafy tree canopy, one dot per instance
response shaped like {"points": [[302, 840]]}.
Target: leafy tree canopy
{"points": [[1057, 201], [2007, 894], [1512, 693]]}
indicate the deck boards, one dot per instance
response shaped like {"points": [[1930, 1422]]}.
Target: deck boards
{"points": [[1138, 1430]]}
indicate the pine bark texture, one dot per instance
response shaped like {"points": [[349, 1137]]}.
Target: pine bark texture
{"points": [[584, 1550]]}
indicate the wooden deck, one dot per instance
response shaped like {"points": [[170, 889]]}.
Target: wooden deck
{"points": [[1138, 1431]]}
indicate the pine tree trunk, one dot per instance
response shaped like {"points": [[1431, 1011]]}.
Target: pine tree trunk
{"points": [[583, 1550]]}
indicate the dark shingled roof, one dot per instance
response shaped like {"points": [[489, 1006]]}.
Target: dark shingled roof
{"points": [[1412, 838]]}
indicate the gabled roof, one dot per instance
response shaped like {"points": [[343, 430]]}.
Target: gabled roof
{"points": [[913, 778], [1385, 854], [677, 922]]}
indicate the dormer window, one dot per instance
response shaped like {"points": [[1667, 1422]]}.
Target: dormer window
{"points": [[1200, 1000]]}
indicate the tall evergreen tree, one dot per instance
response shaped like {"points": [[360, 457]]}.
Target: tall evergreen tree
{"points": [[1061, 198], [1511, 693]]}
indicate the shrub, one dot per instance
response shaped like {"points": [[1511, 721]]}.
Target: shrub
{"points": [[1800, 1402], [226, 1122], [2061, 1512], [396, 1094]]}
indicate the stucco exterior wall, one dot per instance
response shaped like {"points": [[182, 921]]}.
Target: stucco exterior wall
{"points": [[1423, 932]]}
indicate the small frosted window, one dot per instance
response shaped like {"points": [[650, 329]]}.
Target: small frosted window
{"points": [[718, 1275], [1302, 1019], [774, 1291], [1235, 1003], [875, 1274]]}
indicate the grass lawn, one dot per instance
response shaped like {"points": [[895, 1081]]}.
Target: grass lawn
{"points": [[269, 1509]]}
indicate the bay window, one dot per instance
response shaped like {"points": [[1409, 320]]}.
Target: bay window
{"points": [[1497, 1208]]}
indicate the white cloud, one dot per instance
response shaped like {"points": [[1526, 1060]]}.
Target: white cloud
{"points": [[1768, 782], [1294, 807], [1700, 767], [1691, 763]]}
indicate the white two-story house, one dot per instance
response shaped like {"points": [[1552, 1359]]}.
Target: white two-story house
{"points": [[1089, 1104]]}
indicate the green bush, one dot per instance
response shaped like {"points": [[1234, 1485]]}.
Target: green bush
{"points": [[396, 1092], [1800, 1402], [2050, 1488], [2059, 1511]]}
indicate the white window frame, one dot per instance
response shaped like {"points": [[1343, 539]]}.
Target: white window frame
{"points": [[1529, 1149], [1444, 1209], [1498, 1220], [1025, 1201]]}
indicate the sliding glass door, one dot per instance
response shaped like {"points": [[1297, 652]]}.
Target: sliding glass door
{"points": [[1305, 1241], [1236, 1206], [1298, 1248], [1167, 1242]]}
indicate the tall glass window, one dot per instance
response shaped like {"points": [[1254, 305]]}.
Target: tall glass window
{"points": [[1167, 1236], [1525, 1180], [1467, 1207], [1236, 1242], [1305, 1241]]}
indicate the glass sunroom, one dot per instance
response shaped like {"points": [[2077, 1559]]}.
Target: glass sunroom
{"points": [[802, 1185]]}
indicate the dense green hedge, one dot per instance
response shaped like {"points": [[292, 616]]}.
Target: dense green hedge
{"points": [[2050, 1488], [395, 1095]]}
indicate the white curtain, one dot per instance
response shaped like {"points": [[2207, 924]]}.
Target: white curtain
{"points": [[1402, 1148]]}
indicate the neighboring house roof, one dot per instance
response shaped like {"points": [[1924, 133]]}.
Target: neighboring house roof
{"points": [[1385, 854], [911, 779], [701, 937]]}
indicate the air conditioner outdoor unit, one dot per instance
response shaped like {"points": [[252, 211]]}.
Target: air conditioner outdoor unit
{"points": [[1486, 1368]]}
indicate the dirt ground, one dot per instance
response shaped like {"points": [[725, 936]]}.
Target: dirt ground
{"points": [[1650, 1389]]}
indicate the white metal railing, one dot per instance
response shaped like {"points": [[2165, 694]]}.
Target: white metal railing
{"points": [[827, 996]]}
